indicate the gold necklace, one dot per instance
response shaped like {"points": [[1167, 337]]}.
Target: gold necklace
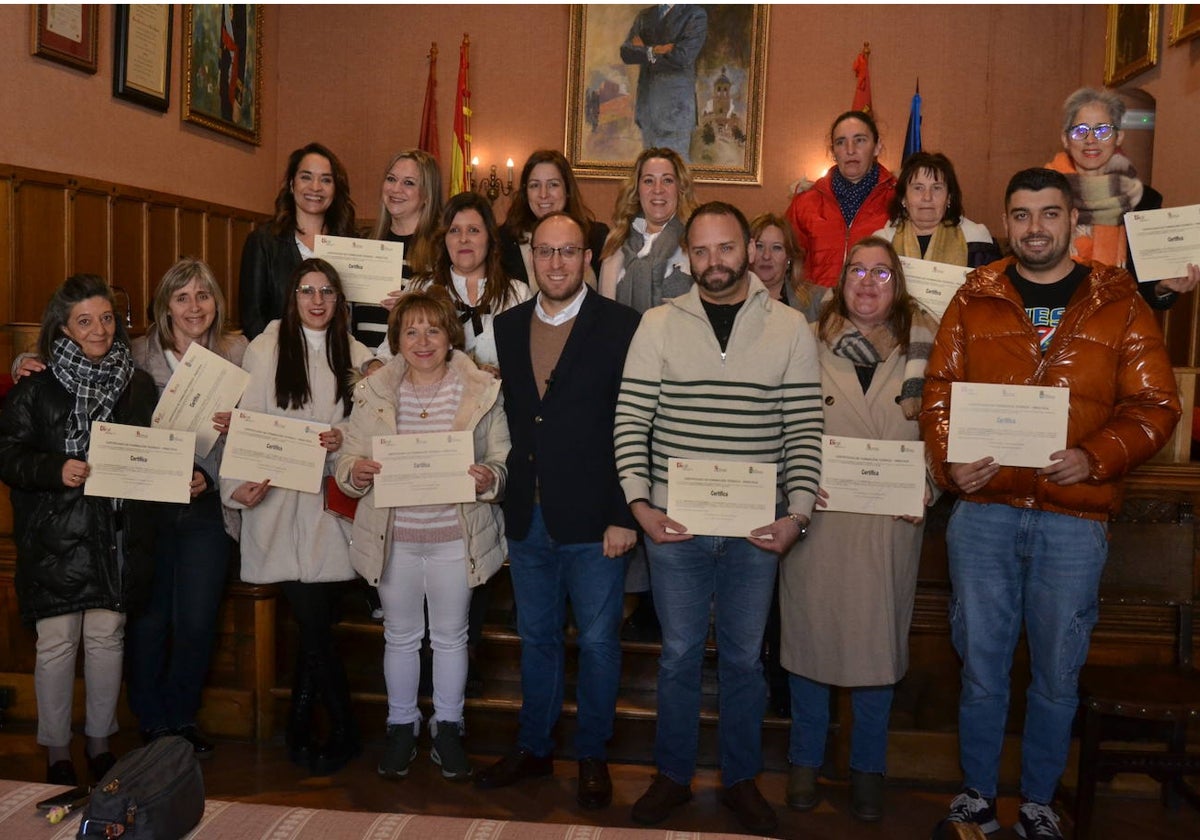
{"points": [[425, 408]]}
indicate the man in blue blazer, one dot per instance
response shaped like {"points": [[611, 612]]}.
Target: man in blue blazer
{"points": [[569, 528]]}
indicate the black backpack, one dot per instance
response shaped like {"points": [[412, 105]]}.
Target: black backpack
{"points": [[155, 792]]}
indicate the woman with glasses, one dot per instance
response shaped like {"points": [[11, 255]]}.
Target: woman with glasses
{"points": [[846, 593], [927, 221], [547, 185], [314, 198], [849, 202], [300, 368], [1105, 186], [467, 265]]}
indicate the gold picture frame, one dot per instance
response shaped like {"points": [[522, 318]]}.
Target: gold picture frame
{"points": [[222, 69], [1130, 43], [1184, 22], [726, 51], [66, 33]]}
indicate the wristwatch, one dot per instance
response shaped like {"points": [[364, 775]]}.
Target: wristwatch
{"points": [[801, 524]]}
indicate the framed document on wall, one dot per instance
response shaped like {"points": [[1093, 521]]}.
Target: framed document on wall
{"points": [[65, 33], [142, 53], [222, 69]]}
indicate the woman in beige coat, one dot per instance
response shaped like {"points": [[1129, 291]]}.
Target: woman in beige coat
{"points": [[427, 555], [846, 593]]}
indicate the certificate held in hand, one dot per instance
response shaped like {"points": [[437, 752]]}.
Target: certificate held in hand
{"points": [[369, 268], [720, 498], [1018, 425], [423, 469], [283, 449], [203, 384], [134, 462]]}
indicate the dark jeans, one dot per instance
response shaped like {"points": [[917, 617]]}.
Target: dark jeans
{"points": [[169, 645]]}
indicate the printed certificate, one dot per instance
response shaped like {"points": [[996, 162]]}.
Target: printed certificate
{"points": [[425, 469], [134, 462], [933, 284], [283, 449], [873, 476], [720, 498], [202, 385], [1018, 425], [369, 268], [1164, 241]]}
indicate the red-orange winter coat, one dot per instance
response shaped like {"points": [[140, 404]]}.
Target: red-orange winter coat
{"points": [[817, 220], [1107, 349]]}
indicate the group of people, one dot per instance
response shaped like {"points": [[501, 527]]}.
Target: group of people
{"points": [[582, 360]]}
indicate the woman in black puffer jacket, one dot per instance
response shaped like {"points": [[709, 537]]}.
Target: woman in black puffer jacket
{"points": [[82, 561]]}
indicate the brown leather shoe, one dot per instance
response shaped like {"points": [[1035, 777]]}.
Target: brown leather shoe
{"points": [[518, 764], [595, 785], [754, 813], [663, 796]]}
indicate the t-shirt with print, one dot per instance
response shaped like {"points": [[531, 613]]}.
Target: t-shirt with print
{"points": [[1045, 302]]}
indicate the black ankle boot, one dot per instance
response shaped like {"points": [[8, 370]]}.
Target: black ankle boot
{"points": [[300, 713], [343, 743]]}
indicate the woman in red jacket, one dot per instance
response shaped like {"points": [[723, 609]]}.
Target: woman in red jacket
{"points": [[849, 203]]}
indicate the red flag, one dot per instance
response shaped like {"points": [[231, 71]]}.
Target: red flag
{"points": [[862, 75], [461, 153], [428, 141]]}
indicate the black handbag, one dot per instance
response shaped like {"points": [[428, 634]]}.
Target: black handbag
{"points": [[155, 792]]}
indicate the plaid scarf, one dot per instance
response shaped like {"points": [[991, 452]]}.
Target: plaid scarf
{"points": [[96, 386], [850, 196], [1102, 201], [867, 350]]}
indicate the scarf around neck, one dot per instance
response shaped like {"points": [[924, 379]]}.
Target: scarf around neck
{"points": [[946, 245], [1102, 201], [869, 349], [642, 285], [850, 197], [96, 387]]}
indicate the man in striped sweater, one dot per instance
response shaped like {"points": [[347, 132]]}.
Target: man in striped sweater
{"points": [[721, 373]]}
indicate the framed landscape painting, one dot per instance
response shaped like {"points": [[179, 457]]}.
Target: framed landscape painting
{"points": [[691, 78], [222, 69]]}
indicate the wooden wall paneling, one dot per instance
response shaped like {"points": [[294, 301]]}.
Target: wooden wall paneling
{"points": [[192, 234], [91, 232], [163, 245], [40, 259], [241, 231], [6, 251], [129, 256]]}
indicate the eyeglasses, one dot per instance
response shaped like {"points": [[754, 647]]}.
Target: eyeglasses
{"points": [[323, 291], [544, 253], [879, 274], [1102, 132]]}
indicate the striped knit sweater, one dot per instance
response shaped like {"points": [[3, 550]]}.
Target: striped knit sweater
{"points": [[760, 401]]}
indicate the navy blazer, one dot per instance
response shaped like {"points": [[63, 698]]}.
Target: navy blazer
{"points": [[564, 441]]}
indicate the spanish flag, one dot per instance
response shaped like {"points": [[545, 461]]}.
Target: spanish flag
{"points": [[461, 153]]}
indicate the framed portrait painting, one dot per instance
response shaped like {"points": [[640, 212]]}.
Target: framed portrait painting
{"points": [[222, 69], [1184, 22], [66, 33], [691, 79], [1131, 42]]}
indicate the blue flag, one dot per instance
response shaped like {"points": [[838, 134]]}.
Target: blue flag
{"points": [[912, 137]]}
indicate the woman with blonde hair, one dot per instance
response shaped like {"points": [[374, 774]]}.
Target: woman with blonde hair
{"points": [[169, 645], [410, 204], [779, 264], [643, 262]]}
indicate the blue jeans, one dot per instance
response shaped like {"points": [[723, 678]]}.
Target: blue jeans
{"points": [[690, 579], [545, 573], [169, 644], [810, 724], [1009, 565]]}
